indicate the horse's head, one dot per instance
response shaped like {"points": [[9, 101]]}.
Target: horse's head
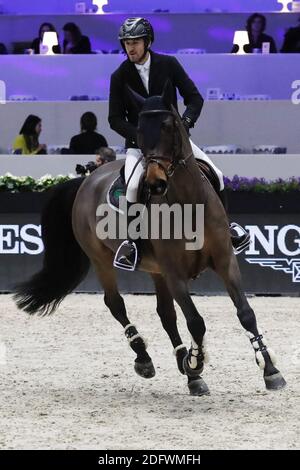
{"points": [[161, 138]]}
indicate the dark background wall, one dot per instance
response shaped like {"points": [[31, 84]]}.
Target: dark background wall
{"points": [[270, 266]]}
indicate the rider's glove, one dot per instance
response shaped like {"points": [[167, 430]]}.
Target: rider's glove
{"points": [[187, 122]]}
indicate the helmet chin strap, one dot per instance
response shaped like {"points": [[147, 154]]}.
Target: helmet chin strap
{"points": [[146, 50], [143, 56]]}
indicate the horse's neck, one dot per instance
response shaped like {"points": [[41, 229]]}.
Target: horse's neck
{"points": [[189, 185]]}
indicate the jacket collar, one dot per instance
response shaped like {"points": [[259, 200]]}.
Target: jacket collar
{"points": [[135, 79]]}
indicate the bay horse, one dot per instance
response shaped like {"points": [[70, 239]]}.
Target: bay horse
{"points": [[72, 242]]}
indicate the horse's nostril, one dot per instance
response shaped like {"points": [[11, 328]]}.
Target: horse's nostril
{"points": [[159, 187]]}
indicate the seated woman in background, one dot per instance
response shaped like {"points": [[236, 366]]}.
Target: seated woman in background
{"points": [[88, 141], [256, 25], [74, 41], [27, 142], [36, 43]]}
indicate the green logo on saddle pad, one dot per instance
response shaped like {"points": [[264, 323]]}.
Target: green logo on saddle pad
{"points": [[118, 193]]}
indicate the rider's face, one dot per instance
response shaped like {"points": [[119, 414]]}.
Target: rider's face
{"points": [[135, 49]]}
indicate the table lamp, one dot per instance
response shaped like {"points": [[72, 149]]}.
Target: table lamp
{"points": [[284, 5], [49, 41], [241, 38], [100, 4]]}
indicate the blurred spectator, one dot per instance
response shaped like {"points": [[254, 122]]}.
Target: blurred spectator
{"points": [[105, 155], [88, 141], [3, 50], [36, 43], [74, 41], [292, 40], [256, 25], [27, 142]]}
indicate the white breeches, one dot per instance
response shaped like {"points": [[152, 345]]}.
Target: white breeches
{"points": [[132, 155], [200, 155]]}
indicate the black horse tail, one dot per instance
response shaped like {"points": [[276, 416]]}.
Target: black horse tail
{"points": [[64, 264]]}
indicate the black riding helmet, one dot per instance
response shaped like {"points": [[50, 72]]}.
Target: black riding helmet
{"points": [[134, 28]]}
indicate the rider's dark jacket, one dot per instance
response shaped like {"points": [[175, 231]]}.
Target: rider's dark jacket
{"points": [[123, 114]]}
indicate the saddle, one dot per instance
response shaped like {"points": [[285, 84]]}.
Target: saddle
{"points": [[210, 174], [118, 186], [116, 190]]}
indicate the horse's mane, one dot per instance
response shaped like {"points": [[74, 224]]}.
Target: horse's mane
{"points": [[183, 144]]}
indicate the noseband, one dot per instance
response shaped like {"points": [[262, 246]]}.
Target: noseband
{"points": [[157, 158]]}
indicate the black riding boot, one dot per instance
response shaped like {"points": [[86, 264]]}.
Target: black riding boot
{"points": [[240, 238]]}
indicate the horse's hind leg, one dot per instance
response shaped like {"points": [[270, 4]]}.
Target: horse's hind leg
{"points": [[112, 298], [166, 312], [265, 358], [193, 362]]}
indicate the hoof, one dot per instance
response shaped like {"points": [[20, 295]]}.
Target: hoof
{"points": [[198, 388], [190, 372], [180, 355], [145, 369], [275, 381]]}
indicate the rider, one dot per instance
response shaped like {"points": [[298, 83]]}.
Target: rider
{"points": [[146, 72]]}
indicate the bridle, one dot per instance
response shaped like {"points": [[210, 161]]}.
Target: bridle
{"points": [[173, 164]]}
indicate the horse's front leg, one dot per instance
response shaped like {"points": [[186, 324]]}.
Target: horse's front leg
{"points": [[193, 362], [167, 314], [264, 356], [143, 365]]}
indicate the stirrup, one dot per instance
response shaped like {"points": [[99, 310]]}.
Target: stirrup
{"points": [[120, 265], [240, 232], [243, 246]]}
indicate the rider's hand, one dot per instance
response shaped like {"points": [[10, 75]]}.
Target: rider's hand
{"points": [[187, 124]]}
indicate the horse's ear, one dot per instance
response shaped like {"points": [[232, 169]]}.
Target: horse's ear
{"points": [[167, 94], [137, 99]]}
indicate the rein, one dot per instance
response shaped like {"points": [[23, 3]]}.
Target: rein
{"points": [[169, 172]]}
